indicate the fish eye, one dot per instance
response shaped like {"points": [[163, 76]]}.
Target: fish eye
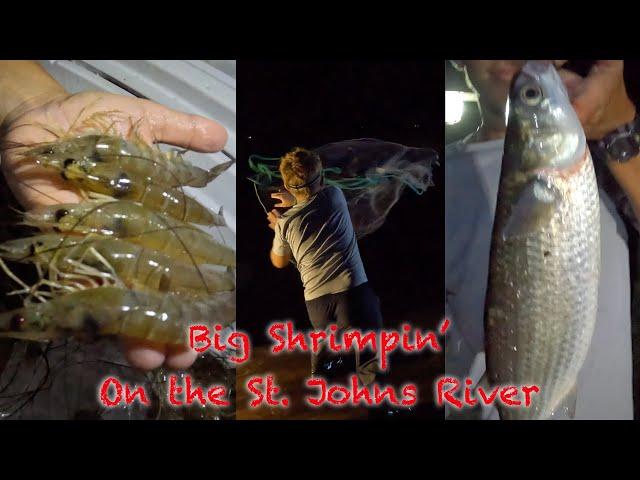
{"points": [[61, 213], [531, 95], [16, 322]]}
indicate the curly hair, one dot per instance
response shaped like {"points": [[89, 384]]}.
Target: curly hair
{"points": [[299, 167]]}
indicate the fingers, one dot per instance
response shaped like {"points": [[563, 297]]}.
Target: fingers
{"points": [[180, 358], [594, 94], [273, 217], [278, 196], [149, 355], [572, 81], [142, 354], [192, 132]]}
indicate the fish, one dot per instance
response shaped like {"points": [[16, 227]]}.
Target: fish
{"points": [[544, 270]]}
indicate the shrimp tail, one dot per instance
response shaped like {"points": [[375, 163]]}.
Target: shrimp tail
{"points": [[219, 170]]}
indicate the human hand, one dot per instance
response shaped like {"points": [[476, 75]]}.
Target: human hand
{"points": [[273, 217], [600, 99], [286, 199], [35, 186]]}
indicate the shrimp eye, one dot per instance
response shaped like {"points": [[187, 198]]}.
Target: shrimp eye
{"points": [[121, 186], [68, 162], [16, 322], [531, 95], [61, 214]]}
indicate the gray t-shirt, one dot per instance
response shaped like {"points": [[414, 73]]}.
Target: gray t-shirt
{"points": [[319, 235], [472, 175]]}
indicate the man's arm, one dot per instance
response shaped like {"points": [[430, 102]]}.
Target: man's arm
{"points": [[602, 104], [25, 85], [280, 253], [280, 261]]}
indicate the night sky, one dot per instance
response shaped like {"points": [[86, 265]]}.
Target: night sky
{"points": [[286, 104]]}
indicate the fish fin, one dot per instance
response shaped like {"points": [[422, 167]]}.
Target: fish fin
{"points": [[568, 404], [533, 209]]}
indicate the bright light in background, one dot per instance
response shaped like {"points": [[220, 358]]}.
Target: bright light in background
{"points": [[454, 105]]}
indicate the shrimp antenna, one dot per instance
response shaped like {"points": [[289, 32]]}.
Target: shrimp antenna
{"points": [[159, 217]]}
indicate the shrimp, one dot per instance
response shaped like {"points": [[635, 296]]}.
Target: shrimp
{"points": [[137, 267], [133, 157], [131, 221], [107, 179], [115, 180], [102, 311]]}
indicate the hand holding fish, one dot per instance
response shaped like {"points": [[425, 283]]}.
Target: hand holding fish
{"points": [[600, 99]]}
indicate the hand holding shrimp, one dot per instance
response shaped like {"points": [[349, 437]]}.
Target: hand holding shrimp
{"points": [[33, 100]]}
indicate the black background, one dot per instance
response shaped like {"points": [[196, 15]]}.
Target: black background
{"points": [[283, 104]]}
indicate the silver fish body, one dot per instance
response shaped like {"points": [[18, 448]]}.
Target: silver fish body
{"points": [[545, 255]]}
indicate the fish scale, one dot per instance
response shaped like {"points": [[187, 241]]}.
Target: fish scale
{"points": [[543, 280]]}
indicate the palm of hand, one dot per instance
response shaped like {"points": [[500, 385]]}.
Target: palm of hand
{"points": [[34, 186], [102, 112]]}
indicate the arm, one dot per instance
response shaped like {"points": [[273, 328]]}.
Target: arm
{"points": [[25, 85], [280, 261], [602, 104], [280, 253]]}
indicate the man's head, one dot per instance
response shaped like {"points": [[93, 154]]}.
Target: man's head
{"points": [[301, 172], [491, 80]]}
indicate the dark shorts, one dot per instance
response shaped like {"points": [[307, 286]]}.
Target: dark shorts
{"points": [[357, 308]]}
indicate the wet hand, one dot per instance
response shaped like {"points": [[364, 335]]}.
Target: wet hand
{"points": [[600, 99], [273, 217], [63, 114], [93, 112]]}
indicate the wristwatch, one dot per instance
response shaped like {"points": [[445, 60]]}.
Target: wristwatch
{"points": [[623, 143]]}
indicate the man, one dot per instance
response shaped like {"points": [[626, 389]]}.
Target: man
{"points": [[604, 389], [316, 234]]}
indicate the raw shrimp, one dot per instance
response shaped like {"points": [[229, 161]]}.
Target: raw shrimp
{"points": [[133, 222], [117, 179], [109, 179], [134, 157], [137, 267], [162, 318]]}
